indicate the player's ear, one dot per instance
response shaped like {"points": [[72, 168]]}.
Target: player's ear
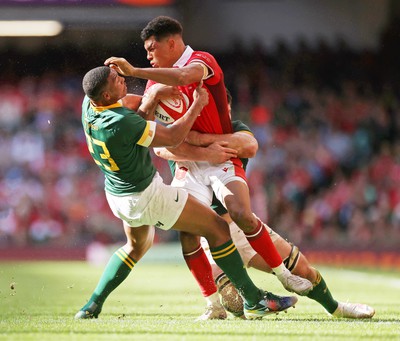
{"points": [[171, 43], [105, 95]]}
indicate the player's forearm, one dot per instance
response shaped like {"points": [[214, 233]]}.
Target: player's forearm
{"points": [[168, 76], [189, 74], [175, 133], [183, 152], [244, 143], [148, 106], [181, 127]]}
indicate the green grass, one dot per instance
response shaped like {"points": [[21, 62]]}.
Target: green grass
{"points": [[160, 301]]}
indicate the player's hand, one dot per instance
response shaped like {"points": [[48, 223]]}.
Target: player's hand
{"points": [[161, 91], [219, 153], [200, 95], [154, 95], [121, 65]]}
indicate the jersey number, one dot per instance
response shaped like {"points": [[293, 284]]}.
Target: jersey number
{"points": [[103, 152]]}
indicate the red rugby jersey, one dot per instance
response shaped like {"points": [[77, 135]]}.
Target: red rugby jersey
{"points": [[214, 117]]}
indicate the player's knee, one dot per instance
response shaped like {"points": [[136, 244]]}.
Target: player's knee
{"points": [[138, 248], [189, 242], [244, 219], [147, 245]]}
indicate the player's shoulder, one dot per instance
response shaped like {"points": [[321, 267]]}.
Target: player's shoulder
{"points": [[121, 118], [202, 56], [238, 125], [127, 123], [85, 103]]}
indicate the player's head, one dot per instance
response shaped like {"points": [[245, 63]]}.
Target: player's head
{"points": [[161, 27], [163, 41], [104, 86]]}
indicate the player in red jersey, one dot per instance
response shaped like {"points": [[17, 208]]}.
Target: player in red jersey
{"points": [[198, 147], [117, 139], [174, 63]]}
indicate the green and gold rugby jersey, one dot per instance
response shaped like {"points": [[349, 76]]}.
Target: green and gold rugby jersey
{"points": [[117, 139]]}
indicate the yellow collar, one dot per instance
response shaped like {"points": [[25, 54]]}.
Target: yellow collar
{"points": [[111, 106]]}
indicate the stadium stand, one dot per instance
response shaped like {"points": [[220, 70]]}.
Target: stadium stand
{"points": [[327, 174]]}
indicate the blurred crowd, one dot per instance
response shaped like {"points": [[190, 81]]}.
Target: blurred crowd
{"points": [[327, 173], [327, 119]]}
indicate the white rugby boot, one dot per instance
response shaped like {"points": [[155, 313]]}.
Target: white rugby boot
{"points": [[293, 283], [353, 311], [213, 311]]}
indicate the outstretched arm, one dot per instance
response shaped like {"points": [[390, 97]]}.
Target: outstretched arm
{"points": [[217, 152], [242, 141], [192, 73], [214, 148]]}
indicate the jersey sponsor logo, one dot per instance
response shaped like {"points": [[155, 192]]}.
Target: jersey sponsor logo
{"points": [[165, 118], [225, 169]]}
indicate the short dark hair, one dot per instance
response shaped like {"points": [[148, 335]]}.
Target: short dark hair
{"points": [[161, 27], [94, 81]]}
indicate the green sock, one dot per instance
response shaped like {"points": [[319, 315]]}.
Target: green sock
{"points": [[228, 259], [118, 268], [322, 295]]}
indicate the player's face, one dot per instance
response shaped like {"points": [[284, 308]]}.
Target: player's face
{"points": [[159, 53], [116, 88]]}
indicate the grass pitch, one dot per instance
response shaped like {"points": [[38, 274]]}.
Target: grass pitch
{"points": [[160, 301]]}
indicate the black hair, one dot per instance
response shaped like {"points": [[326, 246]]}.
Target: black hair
{"points": [[161, 27], [94, 81]]}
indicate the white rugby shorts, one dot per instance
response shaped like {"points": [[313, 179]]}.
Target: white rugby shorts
{"points": [[159, 205], [202, 179]]}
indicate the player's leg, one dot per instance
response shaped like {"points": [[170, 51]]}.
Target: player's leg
{"points": [[230, 298], [216, 231], [121, 263], [298, 264], [193, 253], [236, 198], [200, 267]]}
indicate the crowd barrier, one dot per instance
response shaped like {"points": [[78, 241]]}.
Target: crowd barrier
{"points": [[171, 252]]}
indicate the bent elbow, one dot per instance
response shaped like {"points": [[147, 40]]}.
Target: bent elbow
{"points": [[249, 150], [253, 148]]}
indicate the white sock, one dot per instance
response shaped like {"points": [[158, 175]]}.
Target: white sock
{"points": [[213, 299], [280, 270]]}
